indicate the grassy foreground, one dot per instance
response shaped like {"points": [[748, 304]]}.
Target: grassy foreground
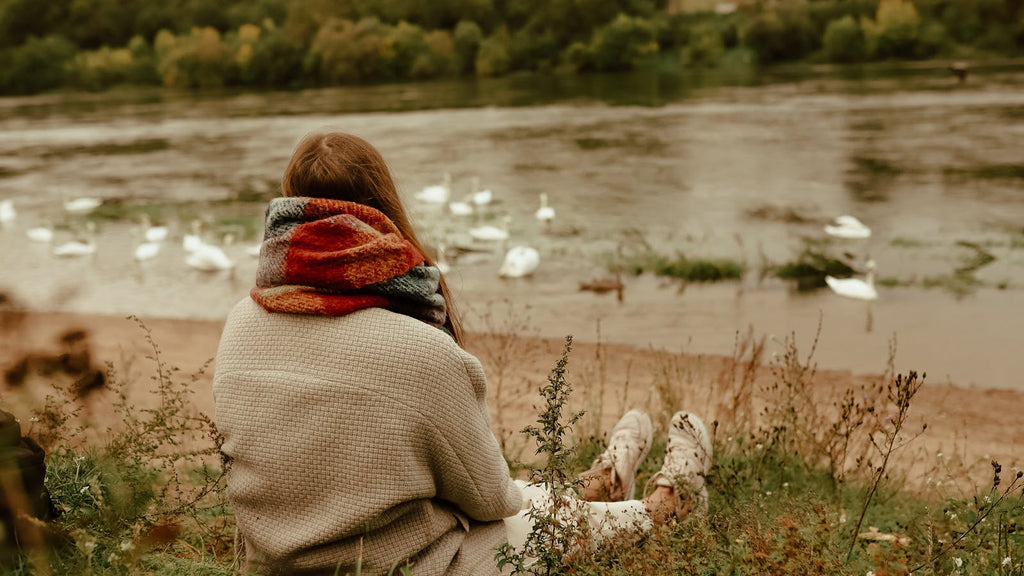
{"points": [[802, 484]]}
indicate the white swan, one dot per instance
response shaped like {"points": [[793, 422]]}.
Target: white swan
{"points": [[855, 287], [481, 197], [41, 234], [193, 239], [147, 250], [82, 205], [461, 207], [519, 261], [7, 212], [489, 233], [153, 233], [209, 258], [84, 246], [545, 213], [846, 226], [437, 193], [254, 250]]}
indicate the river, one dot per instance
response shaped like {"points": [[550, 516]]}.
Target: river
{"points": [[746, 167]]}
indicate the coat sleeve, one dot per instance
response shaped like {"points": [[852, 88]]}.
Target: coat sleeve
{"points": [[469, 468]]}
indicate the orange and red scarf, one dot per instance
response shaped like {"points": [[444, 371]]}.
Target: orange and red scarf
{"points": [[332, 257]]}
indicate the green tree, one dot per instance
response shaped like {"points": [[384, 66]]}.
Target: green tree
{"points": [[705, 47], [467, 39], [623, 43], [438, 59], [345, 52], [493, 57], [276, 60], [781, 35], [898, 23], [38, 64], [844, 40], [199, 60]]}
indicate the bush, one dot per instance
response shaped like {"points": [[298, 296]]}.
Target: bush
{"points": [[623, 43], [276, 61], [437, 58], [705, 47], [844, 40], [37, 65], [493, 58], [781, 35], [345, 52], [101, 68], [467, 38], [897, 28], [199, 60]]}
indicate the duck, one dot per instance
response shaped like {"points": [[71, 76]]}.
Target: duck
{"points": [[437, 193], [520, 261], [855, 287], [490, 233], [545, 213], [846, 226], [7, 212], [82, 205]]}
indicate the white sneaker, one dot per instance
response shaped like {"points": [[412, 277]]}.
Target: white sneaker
{"points": [[628, 445], [687, 459]]}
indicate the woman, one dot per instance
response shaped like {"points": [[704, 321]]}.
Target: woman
{"points": [[356, 424]]}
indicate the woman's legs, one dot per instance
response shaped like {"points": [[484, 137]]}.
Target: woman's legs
{"points": [[679, 485]]}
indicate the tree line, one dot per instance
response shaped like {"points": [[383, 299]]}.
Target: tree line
{"points": [[97, 44]]}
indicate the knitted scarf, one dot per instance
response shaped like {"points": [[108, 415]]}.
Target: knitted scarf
{"points": [[333, 257]]}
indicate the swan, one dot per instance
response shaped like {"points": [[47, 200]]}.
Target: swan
{"points": [[147, 250], [855, 287], [82, 205], [75, 248], [41, 234], [545, 213], [461, 207], [519, 261], [7, 212], [846, 226], [491, 233], [79, 246], [254, 250], [209, 258], [437, 193], [153, 233], [193, 240], [481, 197]]}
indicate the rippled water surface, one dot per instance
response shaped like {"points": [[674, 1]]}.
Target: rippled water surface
{"points": [[742, 169]]}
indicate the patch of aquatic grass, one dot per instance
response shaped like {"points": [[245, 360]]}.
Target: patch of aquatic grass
{"points": [[771, 212], [635, 142], [956, 283], [988, 172], [868, 126], [905, 242], [637, 256], [875, 166], [810, 267], [142, 146]]}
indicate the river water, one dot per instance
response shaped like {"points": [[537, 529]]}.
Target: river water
{"points": [[703, 165]]}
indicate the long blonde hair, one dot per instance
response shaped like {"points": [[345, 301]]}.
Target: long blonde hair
{"points": [[341, 166]]}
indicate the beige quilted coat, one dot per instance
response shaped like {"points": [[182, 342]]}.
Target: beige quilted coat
{"points": [[362, 432]]}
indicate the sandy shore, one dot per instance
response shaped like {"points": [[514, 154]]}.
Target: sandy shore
{"points": [[965, 425]]}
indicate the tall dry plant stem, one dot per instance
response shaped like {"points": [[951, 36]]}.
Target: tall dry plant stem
{"points": [[901, 392]]}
